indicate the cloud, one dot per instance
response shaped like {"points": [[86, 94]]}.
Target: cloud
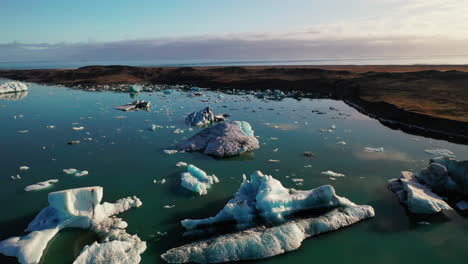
{"points": [[406, 28]]}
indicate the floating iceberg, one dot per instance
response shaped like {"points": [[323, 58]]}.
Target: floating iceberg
{"points": [[419, 192], [332, 174], [223, 140], [261, 242], [369, 149], [78, 208], [201, 118], [40, 185], [197, 180], [265, 198], [75, 172], [135, 105], [13, 87]]}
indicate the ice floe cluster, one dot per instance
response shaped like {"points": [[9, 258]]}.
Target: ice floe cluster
{"points": [[429, 191], [80, 208], [222, 140], [263, 199], [196, 180]]}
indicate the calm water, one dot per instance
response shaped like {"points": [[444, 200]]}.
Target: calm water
{"points": [[407, 60], [124, 157]]}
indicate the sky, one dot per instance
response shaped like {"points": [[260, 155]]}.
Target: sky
{"points": [[230, 29]]}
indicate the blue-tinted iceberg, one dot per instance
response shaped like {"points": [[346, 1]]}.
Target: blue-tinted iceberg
{"points": [[78, 208], [196, 180], [222, 140], [264, 199]]}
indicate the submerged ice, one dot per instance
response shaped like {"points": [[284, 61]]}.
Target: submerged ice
{"points": [[78, 208]]}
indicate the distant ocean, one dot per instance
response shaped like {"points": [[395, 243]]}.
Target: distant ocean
{"points": [[431, 60]]}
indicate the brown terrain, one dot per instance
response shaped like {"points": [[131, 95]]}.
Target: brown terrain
{"points": [[429, 100]]}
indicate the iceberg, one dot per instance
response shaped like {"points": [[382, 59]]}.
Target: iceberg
{"points": [[78, 208], [196, 180], [223, 140], [13, 87], [264, 198], [332, 173], [370, 149], [40, 185], [201, 118]]}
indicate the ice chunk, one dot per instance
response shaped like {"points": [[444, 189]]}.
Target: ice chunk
{"points": [[79, 208], [332, 174], [181, 164], [76, 172], [78, 128], [82, 173], [13, 87], [418, 198], [197, 180], [440, 152], [223, 140], [201, 118], [369, 149], [113, 252], [265, 197], [40, 185], [24, 168], [262, 242], [170, 151]]}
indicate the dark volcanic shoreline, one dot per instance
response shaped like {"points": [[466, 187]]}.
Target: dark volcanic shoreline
{"points": [[425, 100]]}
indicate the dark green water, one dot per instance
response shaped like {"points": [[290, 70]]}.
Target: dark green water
{"points": [[124, 157]]}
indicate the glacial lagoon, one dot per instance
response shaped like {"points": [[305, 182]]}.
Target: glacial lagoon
{"points": [[126, 158]]}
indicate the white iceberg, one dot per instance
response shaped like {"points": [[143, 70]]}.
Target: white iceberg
{"points": [[40, 185], [75, 172], [370, 149], [201, 118], [196, 180], [332, 173], [264, 197], [262, 242], [13, 87], [78, 208], [223, 140]]}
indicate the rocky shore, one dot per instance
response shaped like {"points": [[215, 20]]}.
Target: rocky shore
{"points": [[424, 100]]}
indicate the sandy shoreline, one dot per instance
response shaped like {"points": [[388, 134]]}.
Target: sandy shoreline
{"points": [[422, 99]]}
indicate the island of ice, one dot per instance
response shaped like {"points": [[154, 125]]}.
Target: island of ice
{"points": [[196, 180], [13, 87], [263, 199], [79, 208], [420, 192], [223, 140]]}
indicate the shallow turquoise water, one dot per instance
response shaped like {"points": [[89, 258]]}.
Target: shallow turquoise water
{"points": [[124, 157]]}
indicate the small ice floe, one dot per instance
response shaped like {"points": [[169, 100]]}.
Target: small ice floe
{"points": [[24, 168], [178, 131], [170, 151], [168, 206], [40, 185], [153, 127], [196, 180], [76, 172], [17, 177], [78, 128], [181, 164], [163, 181], [121, 117], [50, 126], [273, 138], [332, 173], [88, 139], [332, 178], [341, 143], [370, 149], [440, 152], [297, 180], [275, 150], [273, 161], [308, 166], [23, 131], [73, 142]]}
